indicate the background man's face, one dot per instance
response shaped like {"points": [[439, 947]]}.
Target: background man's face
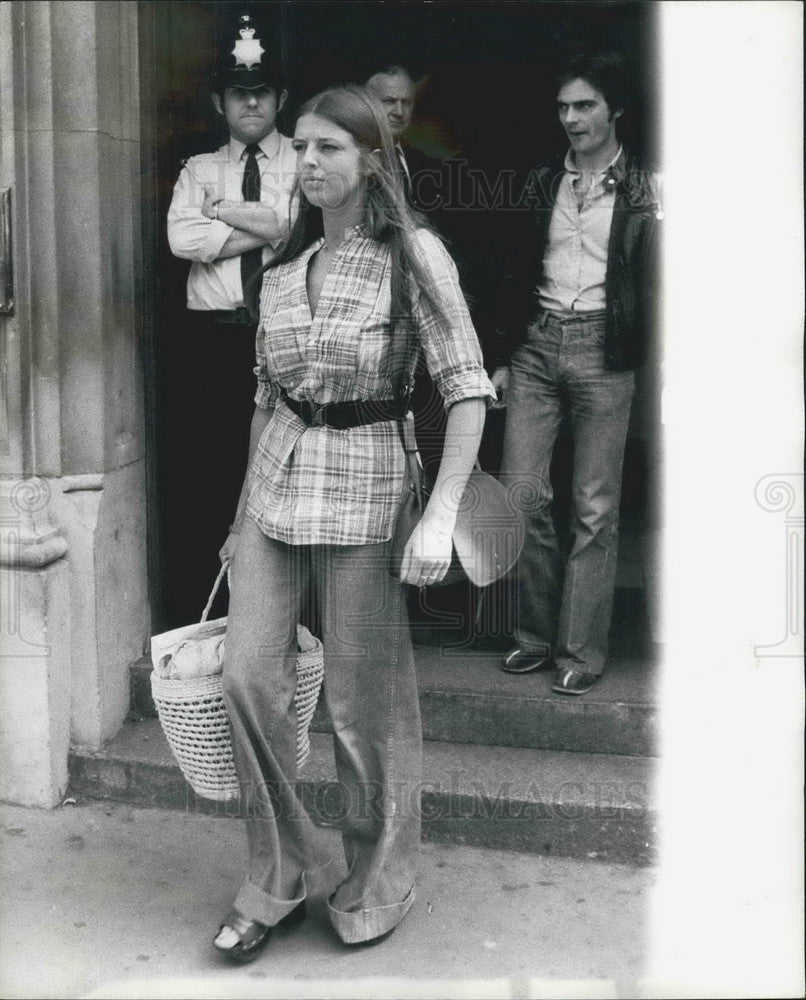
{"points": [[251, 113], [586, 117], [396, 94]]}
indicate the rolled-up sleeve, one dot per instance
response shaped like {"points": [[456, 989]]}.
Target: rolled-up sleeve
{"points": [[449, 340], [191, 235]]}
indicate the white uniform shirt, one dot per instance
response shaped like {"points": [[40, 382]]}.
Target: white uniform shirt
{"points": [[216, 283]]}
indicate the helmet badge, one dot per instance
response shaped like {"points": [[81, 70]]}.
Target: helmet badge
{"points": [[248, 49]]}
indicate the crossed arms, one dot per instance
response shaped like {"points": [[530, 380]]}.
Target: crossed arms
{"points": [[203, 227]]}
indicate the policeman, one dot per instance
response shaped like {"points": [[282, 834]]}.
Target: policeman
{"points": [[230, 211]]}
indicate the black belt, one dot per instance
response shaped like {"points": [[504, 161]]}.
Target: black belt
{"points": [[549, 316], [239, 316], [342, 415]]}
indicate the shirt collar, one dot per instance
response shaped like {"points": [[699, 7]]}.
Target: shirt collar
{"points": [[353, 233], [356, 232], [570, 167], [269, 145]]}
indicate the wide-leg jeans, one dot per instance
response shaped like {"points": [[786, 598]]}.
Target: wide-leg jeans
{"points": [[371, 693], [564, 605]]}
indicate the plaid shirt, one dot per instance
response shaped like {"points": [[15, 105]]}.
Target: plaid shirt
{"points": [[319, 485]]}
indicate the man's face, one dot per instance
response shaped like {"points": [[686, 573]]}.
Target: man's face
{"points": [[396, 94], [588, 121], [250, 113]]}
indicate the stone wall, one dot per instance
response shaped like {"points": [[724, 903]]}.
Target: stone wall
{"points": [[72, 439]]}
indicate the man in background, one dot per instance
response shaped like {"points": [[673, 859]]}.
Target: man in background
{"points": [[582, 299], [394, 88]]}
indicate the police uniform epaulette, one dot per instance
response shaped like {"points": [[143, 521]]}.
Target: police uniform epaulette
{"points": [[186, 161]]}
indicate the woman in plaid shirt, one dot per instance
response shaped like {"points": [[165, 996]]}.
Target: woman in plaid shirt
{"points": [[326, 478]]}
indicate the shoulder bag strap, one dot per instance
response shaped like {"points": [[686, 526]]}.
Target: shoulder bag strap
{"points": [[401, 332]]}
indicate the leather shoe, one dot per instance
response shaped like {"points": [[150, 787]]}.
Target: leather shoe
{"points": [[570, 681], [251, 937], [517, 661]]}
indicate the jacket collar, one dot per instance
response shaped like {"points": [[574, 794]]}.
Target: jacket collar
{"points": [[636, 188]]}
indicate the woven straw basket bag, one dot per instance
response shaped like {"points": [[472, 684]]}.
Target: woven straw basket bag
{"points": [[192, 712]]}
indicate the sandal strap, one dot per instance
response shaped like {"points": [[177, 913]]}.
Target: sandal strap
{"points": [[250, 933]]}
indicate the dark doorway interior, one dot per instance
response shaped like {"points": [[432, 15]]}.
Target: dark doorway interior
{"points": [[486, 96]]}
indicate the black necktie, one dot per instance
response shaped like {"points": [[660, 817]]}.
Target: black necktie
{"points": [[251, 260], [403, 174]]}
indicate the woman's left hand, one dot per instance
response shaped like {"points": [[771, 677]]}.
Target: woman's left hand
{"points": [[427, 555]]}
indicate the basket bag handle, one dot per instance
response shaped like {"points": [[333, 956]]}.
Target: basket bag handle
{"points": [[213, 592]]}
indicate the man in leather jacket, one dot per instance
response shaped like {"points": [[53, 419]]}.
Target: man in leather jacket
{"points": [[581, 299]]}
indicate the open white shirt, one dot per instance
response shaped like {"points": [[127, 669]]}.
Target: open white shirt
{"points": [[575, 261]]}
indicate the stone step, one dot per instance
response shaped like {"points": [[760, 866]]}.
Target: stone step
{"points": [[465, 698], [597, 806]]}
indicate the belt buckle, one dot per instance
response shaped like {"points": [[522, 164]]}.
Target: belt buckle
{"points": [[318, 414]]}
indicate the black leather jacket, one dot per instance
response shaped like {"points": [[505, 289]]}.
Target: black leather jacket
{"points": [[632, 277]]}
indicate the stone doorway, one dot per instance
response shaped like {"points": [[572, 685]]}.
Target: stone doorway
{"points": [[484, 68]]}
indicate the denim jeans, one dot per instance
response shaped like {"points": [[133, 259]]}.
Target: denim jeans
{"points": [[564, 605], [371, 693]]}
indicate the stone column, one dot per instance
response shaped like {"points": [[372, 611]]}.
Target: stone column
{"points": [[71, 425], [35, 644]]}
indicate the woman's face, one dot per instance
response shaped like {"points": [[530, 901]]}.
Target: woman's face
{"points": [[330, 165]]}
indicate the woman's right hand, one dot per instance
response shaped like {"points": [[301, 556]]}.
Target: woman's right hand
{"points": [[227, 551]]}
